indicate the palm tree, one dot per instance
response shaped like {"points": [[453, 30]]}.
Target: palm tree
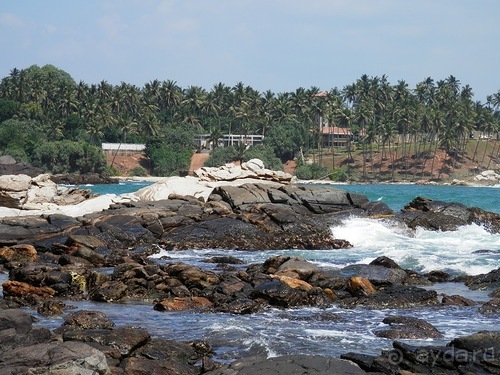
{"points": [[215, 137]]}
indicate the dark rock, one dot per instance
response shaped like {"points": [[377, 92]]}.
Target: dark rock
{"points": [[85, 319], [386, 262], [479, 342], [289, 365], [438, 276], [51, 308], [182, 303], [82, 179], [224, 260], [378, 275], [491, 307], [163, 356], [396, 297], [378, 209], [54, 358], [456, 300], [126, 339], [406, 327], [484, 281], [436, 215], [279, 294], [109, 291]]}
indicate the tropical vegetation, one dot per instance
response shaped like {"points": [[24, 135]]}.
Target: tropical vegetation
{"points": [[42, 109]]}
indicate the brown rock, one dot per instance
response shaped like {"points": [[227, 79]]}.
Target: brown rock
{"points": [[20, 289], [293, 282], [360, 286], [18, 253], [182, 303]]}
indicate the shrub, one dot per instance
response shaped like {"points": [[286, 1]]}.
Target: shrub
{"points": [[266, 154], [311, 171], [138, 171], [220, 156], [68, 157]]}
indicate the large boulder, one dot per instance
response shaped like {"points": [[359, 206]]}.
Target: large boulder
{"points": [[27, 193], [252, 169], [445, 216]]}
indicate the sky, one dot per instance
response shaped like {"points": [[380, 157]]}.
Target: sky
{"points": [[277, 45]]}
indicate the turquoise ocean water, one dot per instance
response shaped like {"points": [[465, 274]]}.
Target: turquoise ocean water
{"points": [[309, 330]]}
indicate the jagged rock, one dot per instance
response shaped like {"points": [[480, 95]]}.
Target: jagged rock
{"points": [[27, 193], [18, 253], [491, 307], [24, 290], [252, 169], [437, 215], [85, 319], [395, 297], [54, 358], [183, 303], [456, 300], [378, 275], [289, 365], [360, 286], [407, 327]]}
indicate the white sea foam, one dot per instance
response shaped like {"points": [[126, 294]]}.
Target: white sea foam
{"points": [[422, 250]]}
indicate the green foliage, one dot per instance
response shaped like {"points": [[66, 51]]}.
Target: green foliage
{"points": [[8, 109], [49, 75], [138, 171], [220, 156], [266, 154], [285, 139], [172, 153], [17, 153], [312, 171], [339, 175], [110, 171], [20, 135], [68, 157], [167, 161]]}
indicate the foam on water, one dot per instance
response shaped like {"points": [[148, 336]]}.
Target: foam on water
{"points": [[422, 250]]}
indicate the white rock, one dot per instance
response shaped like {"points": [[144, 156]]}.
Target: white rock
{"points": [[18, 182], [174, 185]]}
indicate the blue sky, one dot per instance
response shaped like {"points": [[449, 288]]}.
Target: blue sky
{"points": [[267, 44]]}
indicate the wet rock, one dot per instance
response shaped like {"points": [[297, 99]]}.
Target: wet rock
{"points": [[51, 308], [126, 339], [456, 300], [24, 290], [482, 341], [241, 306], [293, 282], [378, 209], [436, 215], [397, 297], [109, 291], [86, 319], [438, 276], [18, 253], [406, 327], [224, 260], [360, 286], [484, 281], [289, 365], [386, 262], [162, 356], [54, 358], [378, 275], [490, 307], [277, 293], [183, 303]]}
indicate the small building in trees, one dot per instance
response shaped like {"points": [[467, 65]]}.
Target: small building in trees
{"points": [[333, 136]]}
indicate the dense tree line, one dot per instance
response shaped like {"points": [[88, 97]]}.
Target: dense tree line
{"points": [[52, 107]]}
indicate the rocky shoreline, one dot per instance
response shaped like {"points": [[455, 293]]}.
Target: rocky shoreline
{"points": [[53, 259]]}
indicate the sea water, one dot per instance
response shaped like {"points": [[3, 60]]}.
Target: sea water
{"points": [[334, 331]]}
